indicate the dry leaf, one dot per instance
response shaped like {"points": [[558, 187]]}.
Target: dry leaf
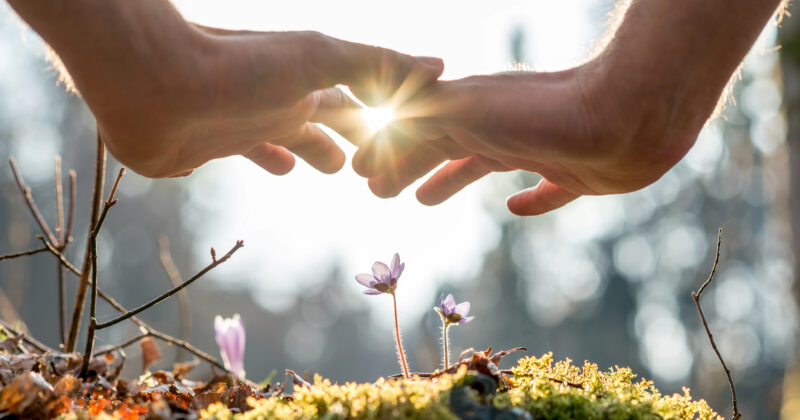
{"points": [[150, 353]]}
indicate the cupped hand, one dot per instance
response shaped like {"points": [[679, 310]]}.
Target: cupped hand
{"points": [[211, 93], [569, 127]]}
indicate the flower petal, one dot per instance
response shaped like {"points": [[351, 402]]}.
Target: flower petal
{"points": [[371, 292], [399, 271], [462, 309], [465, 320], [365, 279], [381, 272], [395, 264], [449, 304]]}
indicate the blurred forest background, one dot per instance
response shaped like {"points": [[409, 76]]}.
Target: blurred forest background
{"points": [[604, 279]]}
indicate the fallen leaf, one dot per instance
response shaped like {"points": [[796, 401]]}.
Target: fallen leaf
{"points": [[150, 353]]}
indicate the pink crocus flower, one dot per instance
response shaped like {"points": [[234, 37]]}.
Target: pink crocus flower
{"points": [[230, 339]]}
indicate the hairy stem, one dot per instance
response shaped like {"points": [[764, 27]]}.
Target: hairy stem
{"points": [[400, 353], [445, 349]]}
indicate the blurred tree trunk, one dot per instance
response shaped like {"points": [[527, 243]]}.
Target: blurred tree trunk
{"points": [[789, 41]]}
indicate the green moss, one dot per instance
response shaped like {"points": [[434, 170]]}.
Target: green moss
{"points": [[545, 389]]}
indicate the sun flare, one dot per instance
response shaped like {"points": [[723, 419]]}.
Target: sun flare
{"points": [[377, 118]]}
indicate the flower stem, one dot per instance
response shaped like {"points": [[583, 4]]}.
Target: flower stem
{"points": [[445, 350], [400, 353]]}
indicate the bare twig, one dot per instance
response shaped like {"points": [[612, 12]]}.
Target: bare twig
{"points": [[97, 198], [174, 276], [696, 297], [150, 330], [87, 354], [22, 254], [66, 239], [59, 202], [54, 250], [73, 192], [60, 237], [128, 343], [27, 339], [174, 290], [28, 197]]}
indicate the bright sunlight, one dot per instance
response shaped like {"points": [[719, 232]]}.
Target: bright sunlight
{"points": [[377, 118]]}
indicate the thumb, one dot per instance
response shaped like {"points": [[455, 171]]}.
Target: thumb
{"points": [[540, 199], [375, 72]]}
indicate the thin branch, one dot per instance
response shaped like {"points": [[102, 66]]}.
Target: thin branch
{"points": [[38, 345], [174, 290], [150, 330], [87, 354], [97, 198], [66, 239], [73, 193], [61, 280], [128, 343], [696, 297], [64, 261], [26, 194], [174, 276], [22, 254], [59, 202]]}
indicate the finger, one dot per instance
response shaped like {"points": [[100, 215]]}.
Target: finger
{"points": [[383, 151], [315, 147], [182, 174], [456, 175], [338, 111], [275, 159], [411, 167], [422, 73], [377, 72], [540, 199]]}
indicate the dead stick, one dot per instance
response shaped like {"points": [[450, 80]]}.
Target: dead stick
{"points": [[59, 202], [60, 232], [128, 343], [174, 290], [97, 198], [696, 297], [22, 254], [87, 354], [73, 192], [53, 250], [174, 276], [152, 331], [28, 197]]}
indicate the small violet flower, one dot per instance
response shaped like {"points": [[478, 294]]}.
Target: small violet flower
{"points": [[383, 278], [230, 339], [452, 313]]}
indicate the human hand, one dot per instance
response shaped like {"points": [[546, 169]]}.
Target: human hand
{"points": [[254, 94], [566, 126], [169, 96]]}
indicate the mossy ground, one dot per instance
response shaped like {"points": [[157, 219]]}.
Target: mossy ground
{"points": [[539, 386]]}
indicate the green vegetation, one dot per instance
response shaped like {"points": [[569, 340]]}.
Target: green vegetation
{"points": [[545, 389]]}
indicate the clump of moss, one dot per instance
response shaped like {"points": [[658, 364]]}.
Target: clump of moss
{"points": [[538, 386], [562, 390]]}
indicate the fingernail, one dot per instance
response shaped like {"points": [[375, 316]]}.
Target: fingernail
{"points": [[432, 62]]}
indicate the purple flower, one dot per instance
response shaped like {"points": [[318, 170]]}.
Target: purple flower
{"points": [[230, 339], [383, 278], [452, 313]]}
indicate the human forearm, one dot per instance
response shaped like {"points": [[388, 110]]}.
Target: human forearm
{"points": [[678, 55], [102, 41]]}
